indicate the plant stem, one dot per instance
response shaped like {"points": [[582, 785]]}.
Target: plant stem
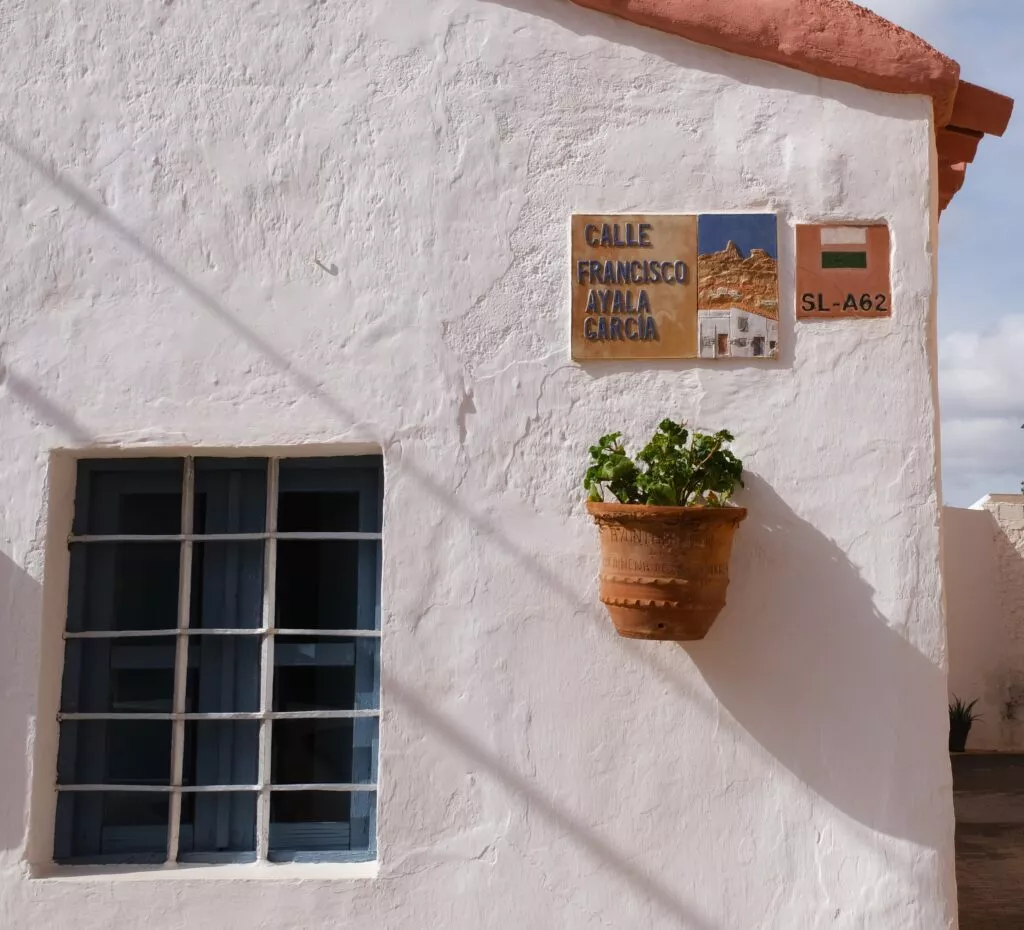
{"points": [[696, 472]]}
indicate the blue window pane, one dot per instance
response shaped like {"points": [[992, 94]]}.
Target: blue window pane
{"points": [[230, 495], [218, 827], [124, 586], [324, 751], [227, 585], [320, 585], [330, 673], [318, 512], [114, 752], [223, 674], [328, 585], [122, 676], [220, 752], [129, 496], [338, 495], [324, 824], [111, 826]]}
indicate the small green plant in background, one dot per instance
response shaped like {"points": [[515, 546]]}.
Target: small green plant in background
{"points": [[676, 468], [961, 713], [961, 717]]}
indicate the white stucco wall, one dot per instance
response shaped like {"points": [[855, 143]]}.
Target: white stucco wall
{"points": [[983, 558], [169, 173]]}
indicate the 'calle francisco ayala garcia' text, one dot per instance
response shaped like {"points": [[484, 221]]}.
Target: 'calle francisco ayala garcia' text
{"points": [[614, 309]]}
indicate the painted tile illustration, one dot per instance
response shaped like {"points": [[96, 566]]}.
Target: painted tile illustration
{"points": [[737, 286], [651, 286], [842, 272]]}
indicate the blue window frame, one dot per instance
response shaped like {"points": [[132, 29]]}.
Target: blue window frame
{"points": [[221, 684]]}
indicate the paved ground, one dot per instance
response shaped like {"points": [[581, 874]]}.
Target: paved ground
{"points": [[989, 798]]}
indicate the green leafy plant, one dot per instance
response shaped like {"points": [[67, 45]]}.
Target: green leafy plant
{"points": [[676, 468], [961, 714]]}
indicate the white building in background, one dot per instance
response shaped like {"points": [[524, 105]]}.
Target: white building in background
{"points": [[736, 333], [983, 555]]}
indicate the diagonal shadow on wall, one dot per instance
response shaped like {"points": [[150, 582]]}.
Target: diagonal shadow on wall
{"points": [[84, 200], [41, 407], [445, 731], [528, 792], [801, 658]]}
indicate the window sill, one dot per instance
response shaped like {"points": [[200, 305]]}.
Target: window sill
{"points": [[264, 871]]}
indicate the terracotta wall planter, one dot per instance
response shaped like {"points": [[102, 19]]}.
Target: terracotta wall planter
{"points": [[664, 570]]}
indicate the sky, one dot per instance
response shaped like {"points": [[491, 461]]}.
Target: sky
{"points": [[981, 312], [748, 231]]}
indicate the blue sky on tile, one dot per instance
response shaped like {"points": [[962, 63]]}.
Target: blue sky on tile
{"points": [[747, 230]]}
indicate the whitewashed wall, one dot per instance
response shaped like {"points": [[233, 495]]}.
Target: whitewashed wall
{"points": [[169, 175], [983, 559]]}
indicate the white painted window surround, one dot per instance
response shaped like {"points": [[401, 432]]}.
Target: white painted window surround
{"points": [[277, 628]]}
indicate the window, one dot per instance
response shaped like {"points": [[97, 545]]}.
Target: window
{"points": [[742, 324], [221, 684]]}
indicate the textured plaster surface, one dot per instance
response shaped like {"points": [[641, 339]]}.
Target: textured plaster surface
{"points": [[345, 226], [984, 567]]}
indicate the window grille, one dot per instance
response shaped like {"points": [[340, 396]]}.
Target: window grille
{"points": [[220, 697]]}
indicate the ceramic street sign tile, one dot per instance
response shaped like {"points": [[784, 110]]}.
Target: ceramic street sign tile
{"points": [[842, 272], [653, 286]]}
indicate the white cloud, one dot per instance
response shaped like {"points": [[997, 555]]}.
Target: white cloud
{"points": [[981, 367], [982, 374], [981, 384]]}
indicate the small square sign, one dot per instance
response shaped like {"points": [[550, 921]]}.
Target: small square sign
{"points": [[842, 272]]}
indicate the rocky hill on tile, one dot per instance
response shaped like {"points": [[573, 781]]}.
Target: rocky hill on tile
{"points": [[726, 279]]}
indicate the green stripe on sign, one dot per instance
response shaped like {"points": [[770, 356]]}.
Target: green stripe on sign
{"points": [[844, 259]]}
